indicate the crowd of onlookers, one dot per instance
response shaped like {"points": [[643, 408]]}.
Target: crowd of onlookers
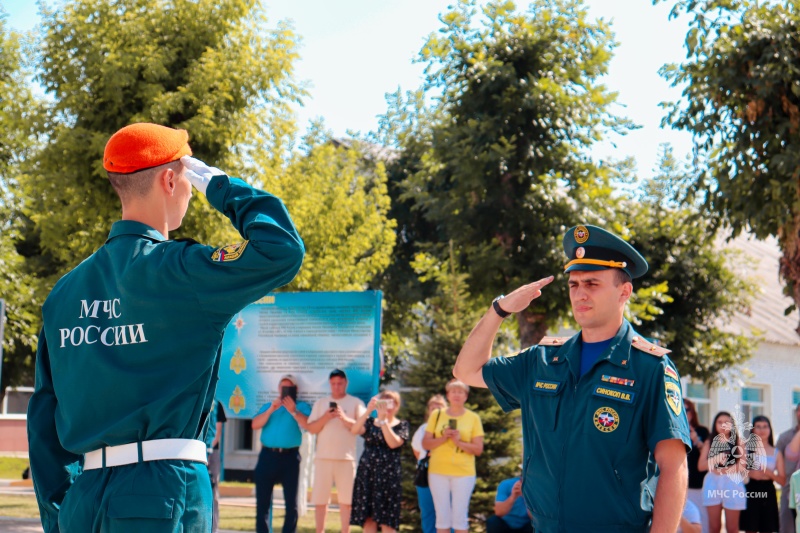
{"points": [[733, 470]]}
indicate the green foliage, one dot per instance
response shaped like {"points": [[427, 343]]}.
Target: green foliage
{"points": [[441, 326], [704, 289], [741, 102], [505, 168], [339, 201], [19, 110]]}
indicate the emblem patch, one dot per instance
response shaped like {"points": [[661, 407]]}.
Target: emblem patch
{"points": [[231, 252], [606, 419], [580, 252], [607, 392], [550, 387], [236, 402], [673, 392], [581, 234], [238, 362], [670, 373], [618, 381]]}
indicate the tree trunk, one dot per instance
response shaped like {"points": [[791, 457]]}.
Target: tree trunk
{"points": [[790, 262], [532, 327]]}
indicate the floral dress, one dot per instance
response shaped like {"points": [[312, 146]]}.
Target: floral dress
{"points": [[377, 490]]}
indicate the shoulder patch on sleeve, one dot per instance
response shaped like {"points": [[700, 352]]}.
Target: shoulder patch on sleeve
{"points": [[231, 252], [553, 341], [648, 347]]}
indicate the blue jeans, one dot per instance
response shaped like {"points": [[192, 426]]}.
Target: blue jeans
{"points": [[272, 468], [426, 509]]}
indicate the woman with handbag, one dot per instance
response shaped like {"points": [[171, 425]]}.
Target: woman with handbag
{"points": [[454, 437], [426, 509]]}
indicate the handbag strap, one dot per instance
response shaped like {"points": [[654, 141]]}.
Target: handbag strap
{"points": [[438, 412]]}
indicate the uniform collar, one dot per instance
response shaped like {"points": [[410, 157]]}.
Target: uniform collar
{"points": [[618, 354], [131, 227]]}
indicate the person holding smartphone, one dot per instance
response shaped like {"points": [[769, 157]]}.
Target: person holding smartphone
{"points": [[280, 422], [331, 420], [454, 437], [377, 493]]}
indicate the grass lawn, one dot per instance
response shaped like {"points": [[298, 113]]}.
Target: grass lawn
{"points": [[244, 519], [12, 467], [18, 506]]}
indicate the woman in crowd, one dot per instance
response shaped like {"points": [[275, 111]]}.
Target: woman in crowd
{"points": [[699, 435], [377, 490], [761, 514], [426, 509], [454, 437], [721, 490]]}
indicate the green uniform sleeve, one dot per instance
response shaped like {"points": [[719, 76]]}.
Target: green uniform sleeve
{"points": [[229, 278], [506, 378], [52, 467], [665, 417]]}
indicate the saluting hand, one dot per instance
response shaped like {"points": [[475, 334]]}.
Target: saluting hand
{"points": [[199, 173], [521, 298]]}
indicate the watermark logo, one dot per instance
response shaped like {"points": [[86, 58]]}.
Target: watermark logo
{"points": [[737, 451]]}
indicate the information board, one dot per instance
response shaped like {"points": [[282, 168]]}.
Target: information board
{"points": [[307, 335]]}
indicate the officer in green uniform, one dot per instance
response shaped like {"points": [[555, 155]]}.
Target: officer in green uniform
{"points": [[605, 435], [129, 353]]}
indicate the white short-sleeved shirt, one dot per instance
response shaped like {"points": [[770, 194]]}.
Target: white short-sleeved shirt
{"points": [[416, 442], [335, 441]]}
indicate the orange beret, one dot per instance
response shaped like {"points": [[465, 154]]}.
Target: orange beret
{"points": [[144, 145]]}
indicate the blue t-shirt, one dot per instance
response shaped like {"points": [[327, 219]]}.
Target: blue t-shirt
{"points": [[517, 517], [281, 430], [591, 352]]}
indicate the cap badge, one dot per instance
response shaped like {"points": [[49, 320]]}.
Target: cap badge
{"points": [[581, 234], [580, 252]]}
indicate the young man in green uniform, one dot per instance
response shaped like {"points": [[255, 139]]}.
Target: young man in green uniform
{"points": [[605, 435], [129, 353]]}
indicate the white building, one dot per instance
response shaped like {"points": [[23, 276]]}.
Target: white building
{"points": [[769, 383]]}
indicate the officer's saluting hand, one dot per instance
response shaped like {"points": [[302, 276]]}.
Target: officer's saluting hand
{"points": [[604, 405]]}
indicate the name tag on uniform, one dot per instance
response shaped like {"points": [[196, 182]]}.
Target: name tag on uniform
{"points": [[614, 394], [551, 387]]}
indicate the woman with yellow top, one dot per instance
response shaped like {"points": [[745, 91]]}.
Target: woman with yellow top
{"points": [[454, 437]]}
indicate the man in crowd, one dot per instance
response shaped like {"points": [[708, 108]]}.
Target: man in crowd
{"points": [[335, 457], [791, 465], [510, 514], [280, 422], [604, 405], [129, 353]]}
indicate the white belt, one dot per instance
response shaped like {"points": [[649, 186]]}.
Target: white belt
{"points": [[152, 450]]}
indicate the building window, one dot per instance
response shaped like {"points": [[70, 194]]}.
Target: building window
{"points": [[242, 434], [699, 394], [752, 402]]}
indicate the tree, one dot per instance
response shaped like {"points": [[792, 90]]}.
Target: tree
{"points": [[506, 173], [741, 102], [19, 110], [701, 290], [442, 323]]}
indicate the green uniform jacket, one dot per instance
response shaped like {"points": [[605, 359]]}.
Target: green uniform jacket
{"points": [[130, 346], [589, 441]]}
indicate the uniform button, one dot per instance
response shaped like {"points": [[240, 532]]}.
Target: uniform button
{"points": [[635, 339]]}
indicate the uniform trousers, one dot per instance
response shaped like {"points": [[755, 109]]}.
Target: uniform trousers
{"points": [[276, 468], [213, 474], [169, 496]]}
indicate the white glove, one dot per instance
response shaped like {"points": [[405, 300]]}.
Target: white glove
{"points": [[199, 173]]}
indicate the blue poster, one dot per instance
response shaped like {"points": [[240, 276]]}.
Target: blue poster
{"points": [[305, 335]]}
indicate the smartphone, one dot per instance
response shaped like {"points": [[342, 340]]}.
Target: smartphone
{"points": [[382, 404], [332, 405], [289, 390], [453, 423]]}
